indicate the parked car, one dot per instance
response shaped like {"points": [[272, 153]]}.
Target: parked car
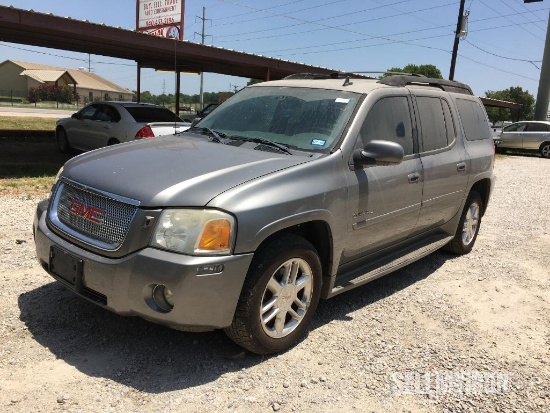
{"points": [[291, 191], [108, 123], [527, 135], [207, 109]]}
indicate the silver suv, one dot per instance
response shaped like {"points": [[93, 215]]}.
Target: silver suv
{"points": [[289, 192]]}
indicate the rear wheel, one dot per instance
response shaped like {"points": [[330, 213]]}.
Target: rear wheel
{"points": [[545, 150], [468, 227], [113, 141], [279, 296], [62, 141]]}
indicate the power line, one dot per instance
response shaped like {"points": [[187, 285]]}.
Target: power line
{"points": [[515, 10], [521, 27], [502, 57]]}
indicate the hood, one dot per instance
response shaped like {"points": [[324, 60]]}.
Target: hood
{"points": [[174, 171]]}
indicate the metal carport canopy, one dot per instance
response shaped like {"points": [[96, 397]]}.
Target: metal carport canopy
{"points": [[46, 30]]}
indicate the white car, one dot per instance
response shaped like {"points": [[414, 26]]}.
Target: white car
{"points": [[107, 123]]}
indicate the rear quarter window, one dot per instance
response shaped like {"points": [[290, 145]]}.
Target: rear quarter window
{"points": [[474, 120], [147, 114]]}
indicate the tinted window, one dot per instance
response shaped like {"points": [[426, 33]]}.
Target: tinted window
{"points": [[390, 120], [537, 127], [515, 127], [107, 114], [88, 112], [474, 120], [152, 114], [432, 121], [449, 122]]}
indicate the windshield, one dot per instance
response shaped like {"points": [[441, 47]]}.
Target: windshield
{"points": [[299, 118]]}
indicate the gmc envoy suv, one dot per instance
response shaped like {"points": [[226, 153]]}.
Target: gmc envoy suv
{"points": [[290, 191]]}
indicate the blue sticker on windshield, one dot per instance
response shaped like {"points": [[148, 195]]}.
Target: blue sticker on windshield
{"points": [[318, 142]]}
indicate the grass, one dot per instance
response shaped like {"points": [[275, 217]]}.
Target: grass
{"points": [[27, 185], [27, 123]]}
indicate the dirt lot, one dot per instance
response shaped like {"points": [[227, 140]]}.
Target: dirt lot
{"points": [[446, 334]]}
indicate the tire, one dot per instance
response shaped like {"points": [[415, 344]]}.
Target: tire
{"points": [[468, 226], [273, 313], [113, 141], [545, 150], [62, 141]]}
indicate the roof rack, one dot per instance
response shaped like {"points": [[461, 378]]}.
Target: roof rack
{"points": [[446, 85]]}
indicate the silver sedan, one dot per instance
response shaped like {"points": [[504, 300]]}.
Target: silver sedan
{"points": [[108, 123], [528, 135]]}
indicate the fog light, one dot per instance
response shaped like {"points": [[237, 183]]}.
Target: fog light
{"points": [[163, 298]]}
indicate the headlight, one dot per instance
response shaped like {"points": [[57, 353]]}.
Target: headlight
{"points": [[195, 231]]}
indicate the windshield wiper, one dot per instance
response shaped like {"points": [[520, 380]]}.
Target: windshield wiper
{"points": [[266, 142], [216, 136]]}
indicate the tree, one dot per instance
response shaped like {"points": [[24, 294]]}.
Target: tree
{"points": [[426, 70], [253, 82], [514, 94]]}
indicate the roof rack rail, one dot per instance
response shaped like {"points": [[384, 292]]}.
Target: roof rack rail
{"points": [[334, 75], [446, 85]]}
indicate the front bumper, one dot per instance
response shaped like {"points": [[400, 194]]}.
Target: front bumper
{"points": [[124, 285]]}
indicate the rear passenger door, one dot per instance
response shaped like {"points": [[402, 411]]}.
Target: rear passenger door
{"points": [[444, 160], [535, 133]]}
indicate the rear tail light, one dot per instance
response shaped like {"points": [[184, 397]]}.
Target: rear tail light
{"points": [[145, 133]]}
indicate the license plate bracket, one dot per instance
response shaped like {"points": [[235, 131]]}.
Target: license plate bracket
{"points": [[67, 267]]}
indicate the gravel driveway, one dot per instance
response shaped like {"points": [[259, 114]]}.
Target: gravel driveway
{"points": [[446, 334]]}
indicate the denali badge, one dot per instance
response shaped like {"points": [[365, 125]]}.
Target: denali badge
{"points": [[87, 212]]}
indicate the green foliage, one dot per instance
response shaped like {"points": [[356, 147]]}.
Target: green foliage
{"points": [[253, 82], [512, 94], [426, 70], [49, 92]]}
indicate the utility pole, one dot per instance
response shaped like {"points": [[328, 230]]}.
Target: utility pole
{"points": [[203, 18], [457, 39], [543, 94]]}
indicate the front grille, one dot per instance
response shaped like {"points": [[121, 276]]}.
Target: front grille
{"points": [[91, 216]]}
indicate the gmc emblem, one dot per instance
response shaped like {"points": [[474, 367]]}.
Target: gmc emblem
{"points": [[87, 212]]}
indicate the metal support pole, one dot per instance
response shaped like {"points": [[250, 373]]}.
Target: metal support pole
{"points": [[178, 85], [201, 101], [138, 97], [457, 39], [543, 94]]}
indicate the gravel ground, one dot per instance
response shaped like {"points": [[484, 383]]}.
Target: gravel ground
{"points": [[445, 334]]}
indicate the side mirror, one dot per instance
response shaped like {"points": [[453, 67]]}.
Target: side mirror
{"points": [[74, 115], [378, 153]]}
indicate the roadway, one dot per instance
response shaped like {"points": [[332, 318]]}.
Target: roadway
{"points": [[35, 112]]}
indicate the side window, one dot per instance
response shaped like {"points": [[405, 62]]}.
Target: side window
{"points": [[474, 120], [390, 120], [107, 113], [449, 122], [537, 127], [516, 127], [88, 112], [432, 121]]}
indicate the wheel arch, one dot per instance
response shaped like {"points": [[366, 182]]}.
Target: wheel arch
{"points": [[483, 188], [318, 233], [547, 142]]}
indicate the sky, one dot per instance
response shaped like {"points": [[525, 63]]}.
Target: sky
{"points": [[503, 47]]}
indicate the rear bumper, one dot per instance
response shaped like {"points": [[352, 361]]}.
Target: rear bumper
{"points": [[124, 285]]}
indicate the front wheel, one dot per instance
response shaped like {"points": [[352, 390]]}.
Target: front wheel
{"points": [[279, 296], [468, 227], [545, 150]]}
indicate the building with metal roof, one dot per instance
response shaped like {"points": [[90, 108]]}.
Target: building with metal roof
{"points": [[17, 78]]}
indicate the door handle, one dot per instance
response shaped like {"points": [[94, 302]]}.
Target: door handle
{"points": [[461, 166], [414, 177], [106, 127]]}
